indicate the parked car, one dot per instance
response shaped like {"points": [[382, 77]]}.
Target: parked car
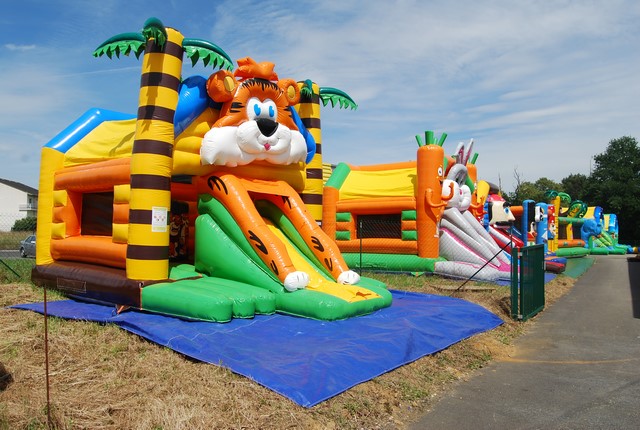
{"points": [[28, 246]]}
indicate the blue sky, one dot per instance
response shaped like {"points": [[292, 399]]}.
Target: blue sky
{"points": [[541, 86]]}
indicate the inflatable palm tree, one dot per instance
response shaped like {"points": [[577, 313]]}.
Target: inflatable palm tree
{"points": [[151, 160], [309, 111]]}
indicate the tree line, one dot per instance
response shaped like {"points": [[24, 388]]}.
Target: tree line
{"points": [[613, 184]]}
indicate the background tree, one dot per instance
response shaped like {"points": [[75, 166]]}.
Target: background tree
{"points": [[545, 184], [530, 190], [577, 186], [25, 224], [615, 185]]}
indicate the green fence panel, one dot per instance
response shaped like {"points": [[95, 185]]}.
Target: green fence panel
{"points": [[527, 282]]}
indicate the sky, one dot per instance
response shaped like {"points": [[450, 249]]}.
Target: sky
{"points": [[540, 86]]}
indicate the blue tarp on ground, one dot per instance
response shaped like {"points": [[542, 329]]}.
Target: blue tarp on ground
{"points": [[305, 360]]}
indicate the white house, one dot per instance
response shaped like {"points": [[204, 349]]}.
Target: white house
{"points": [[17, 201]]}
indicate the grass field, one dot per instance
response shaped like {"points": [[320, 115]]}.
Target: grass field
{"points": [[16, 270], [102, 377]]}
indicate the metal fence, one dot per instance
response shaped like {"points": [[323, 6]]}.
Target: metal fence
{"points": [[527, 282], [13, 268], [8, 220], [9, 239]]}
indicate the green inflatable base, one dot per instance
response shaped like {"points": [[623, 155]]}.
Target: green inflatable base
{"points": [[207, 299], [390, 262], [204, 298], [577, 251]]}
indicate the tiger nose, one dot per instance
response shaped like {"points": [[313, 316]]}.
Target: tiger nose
{"points": [[267, 126]]}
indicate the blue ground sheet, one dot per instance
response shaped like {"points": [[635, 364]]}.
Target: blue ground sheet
{"points": [[307, 361]]}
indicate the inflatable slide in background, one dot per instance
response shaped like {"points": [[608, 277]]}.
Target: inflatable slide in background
{"points": [[373, 214]]}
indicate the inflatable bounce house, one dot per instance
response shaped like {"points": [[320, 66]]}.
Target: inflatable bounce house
{"points": [[582, 229], [416, 216], [567, 228], [535, 224], [195, 206]]}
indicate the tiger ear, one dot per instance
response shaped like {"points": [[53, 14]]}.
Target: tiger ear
{"points": [[221, 86], [290, 89]]}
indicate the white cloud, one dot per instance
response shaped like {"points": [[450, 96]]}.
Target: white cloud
{"points": [[14, 47]]}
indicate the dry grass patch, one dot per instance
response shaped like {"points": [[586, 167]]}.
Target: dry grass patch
{"points": [[102, 377]]}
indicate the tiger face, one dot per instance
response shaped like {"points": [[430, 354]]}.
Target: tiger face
{"points": [[255, 121]]}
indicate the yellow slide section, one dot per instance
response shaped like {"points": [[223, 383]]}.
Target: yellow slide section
{"points": [[317, 282]]}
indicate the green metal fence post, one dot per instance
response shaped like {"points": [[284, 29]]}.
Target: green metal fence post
{"points": [[527, 282], [515, 282]]}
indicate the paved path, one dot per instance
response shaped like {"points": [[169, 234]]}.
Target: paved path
{"points": [[577, 368]]}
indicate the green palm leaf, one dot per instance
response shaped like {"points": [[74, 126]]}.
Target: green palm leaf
{"points": [[307, 88], [336, 97], [153, 28], [196, 49], [549, 195], [209, 53], [124, 43], [565, 199], [127, 43]]}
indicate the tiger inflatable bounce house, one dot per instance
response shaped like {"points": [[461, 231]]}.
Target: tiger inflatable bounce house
{"points": [[192, 207]]}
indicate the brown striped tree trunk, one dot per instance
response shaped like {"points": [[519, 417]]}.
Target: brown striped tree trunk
{"points": [[309, 111], [151, 161]]}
